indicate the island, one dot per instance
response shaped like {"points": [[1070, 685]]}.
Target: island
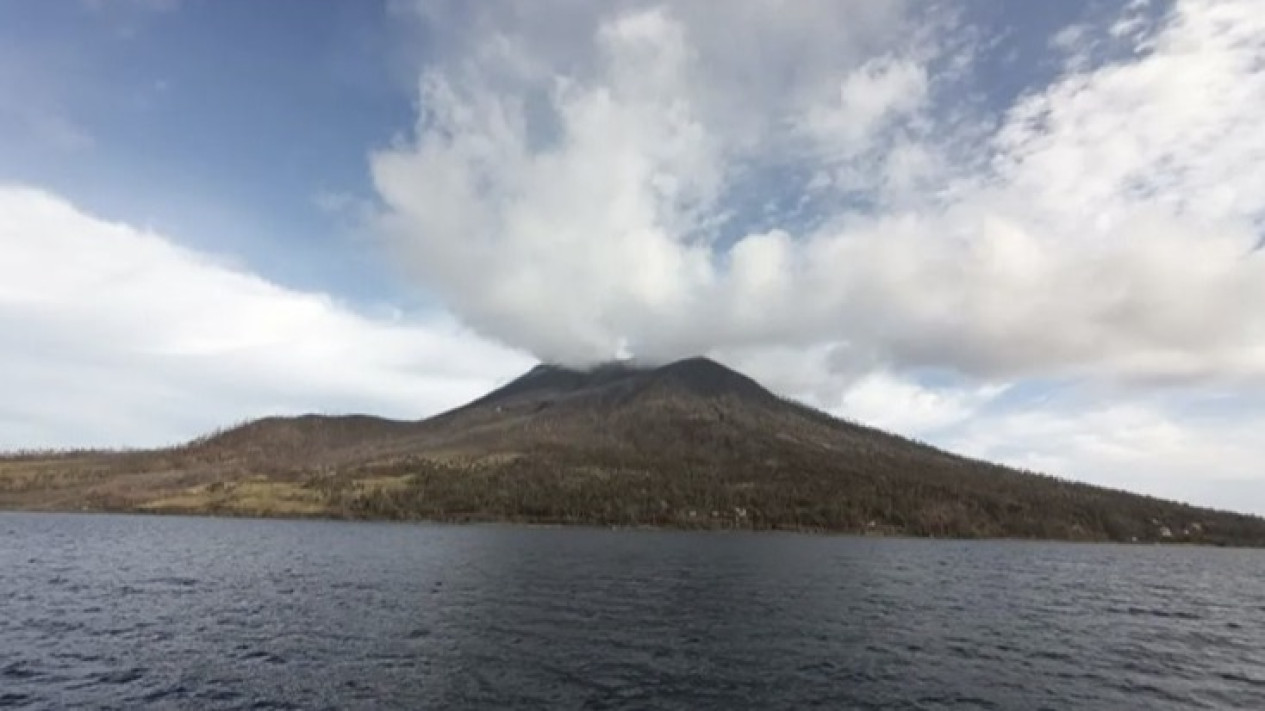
{"points": [[691, 444]]}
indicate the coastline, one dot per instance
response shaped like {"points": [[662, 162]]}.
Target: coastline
{"points": [[472, 520]]}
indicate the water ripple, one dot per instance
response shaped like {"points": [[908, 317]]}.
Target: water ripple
{"points": [[143, 612]]}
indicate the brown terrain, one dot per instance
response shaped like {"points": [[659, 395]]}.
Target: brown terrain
{"points": [[691, 444]]}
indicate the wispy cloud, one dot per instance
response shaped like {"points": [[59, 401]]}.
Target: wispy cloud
{"points": [[34, 105], [132, 5]]}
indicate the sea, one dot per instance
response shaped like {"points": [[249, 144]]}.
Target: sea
{"points": [[140, 612]]}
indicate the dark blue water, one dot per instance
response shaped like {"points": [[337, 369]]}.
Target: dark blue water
{"points": [[133, 612]]}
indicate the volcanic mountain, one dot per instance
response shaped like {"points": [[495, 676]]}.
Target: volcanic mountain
{"points": [[689, 444]]}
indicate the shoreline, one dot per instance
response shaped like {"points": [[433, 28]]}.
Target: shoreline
{"points": [[466, 520]]}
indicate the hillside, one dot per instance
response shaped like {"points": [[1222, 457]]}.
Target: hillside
{"points": [[690, 444]]}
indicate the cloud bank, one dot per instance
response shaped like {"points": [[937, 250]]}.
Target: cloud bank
{"points": [[112, 335], [587, 199]]}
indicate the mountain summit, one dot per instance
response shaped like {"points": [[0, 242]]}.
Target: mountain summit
{"points": [[616, 381], [688, 444]]}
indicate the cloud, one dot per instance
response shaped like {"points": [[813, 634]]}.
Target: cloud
{"points": [[1103, 226], [113, 335], [875, 95], [1137, 444], [888, 402]]}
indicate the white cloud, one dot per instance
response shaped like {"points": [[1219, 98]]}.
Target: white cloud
{"points": [[112, 335], [887, 402], [875, 95], [1130, 443], [1107, 233]]}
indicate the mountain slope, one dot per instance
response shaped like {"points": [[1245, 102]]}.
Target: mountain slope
{"points": [[688, 444]]}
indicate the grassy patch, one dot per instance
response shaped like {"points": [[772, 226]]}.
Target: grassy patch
{"points": [[255, 497]]}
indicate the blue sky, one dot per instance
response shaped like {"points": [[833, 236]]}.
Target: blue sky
{"points": [[229, 123], [220, 122], [1027, 232]]}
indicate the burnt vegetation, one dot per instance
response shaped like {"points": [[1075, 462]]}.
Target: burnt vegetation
{"points": [[691, 445]]}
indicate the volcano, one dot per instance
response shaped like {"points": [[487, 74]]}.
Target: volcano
{"points": [[690, 444]]}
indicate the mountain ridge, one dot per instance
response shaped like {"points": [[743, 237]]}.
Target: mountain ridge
{"points": [[689, 444]]}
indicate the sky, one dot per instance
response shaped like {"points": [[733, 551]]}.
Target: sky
{"points": [[1026, 232]]}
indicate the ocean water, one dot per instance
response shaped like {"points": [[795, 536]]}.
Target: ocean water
{"points": [[134, 612]]}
